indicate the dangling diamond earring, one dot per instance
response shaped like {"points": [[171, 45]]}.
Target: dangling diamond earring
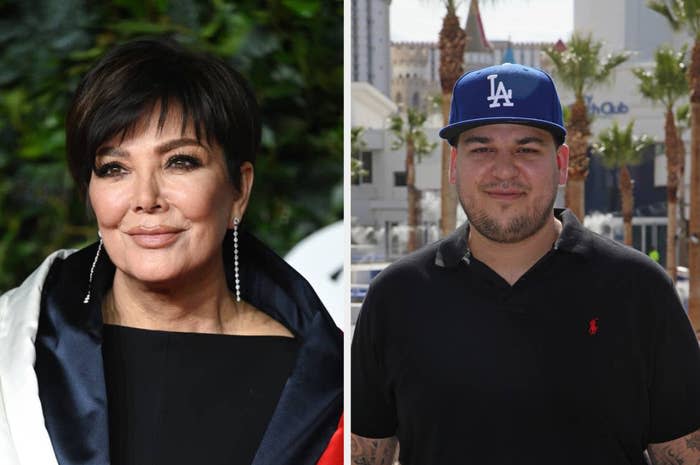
{"points": [[92, 269], [236, 222]]}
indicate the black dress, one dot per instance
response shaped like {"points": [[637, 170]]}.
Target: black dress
{"points": [[191, 398]]}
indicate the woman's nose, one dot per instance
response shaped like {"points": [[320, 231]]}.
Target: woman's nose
{"points": [[147, 194]]}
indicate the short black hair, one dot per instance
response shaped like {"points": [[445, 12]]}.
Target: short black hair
{"points": [[133, 78]]}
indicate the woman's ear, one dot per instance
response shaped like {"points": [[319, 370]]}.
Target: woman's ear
{"points": [[243, 195]]}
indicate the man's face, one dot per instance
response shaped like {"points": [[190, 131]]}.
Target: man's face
{"points": [[507, 177]]}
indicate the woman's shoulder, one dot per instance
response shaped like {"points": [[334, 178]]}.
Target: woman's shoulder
{"points": [[35, 281], [252, 321]]}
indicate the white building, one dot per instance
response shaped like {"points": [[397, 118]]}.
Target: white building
{"points": [[629, 25], [370, 43], [415, 66], [626, 25]]}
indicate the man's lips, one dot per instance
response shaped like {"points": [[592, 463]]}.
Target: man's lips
{"points": [[155, 237], [505, 194]]}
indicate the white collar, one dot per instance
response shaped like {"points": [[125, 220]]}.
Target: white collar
{"points": [[24, 439]]}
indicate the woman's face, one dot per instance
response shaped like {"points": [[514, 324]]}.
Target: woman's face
{"points": [[163, 201]]}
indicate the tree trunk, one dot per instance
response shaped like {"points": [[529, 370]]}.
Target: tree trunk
{"points": [[575, 196], [671, 244], [451, 43], [672, 171], [627, 194], [694, 227], [577, 139], [448, 194], [682, 241], [412, 195]]}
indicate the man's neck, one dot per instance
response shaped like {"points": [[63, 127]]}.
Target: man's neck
{"points": [[512, 260]]}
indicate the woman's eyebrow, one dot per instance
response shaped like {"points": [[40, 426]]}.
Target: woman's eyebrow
{"points": [[177, 143], [160, 149], [108, 151]]}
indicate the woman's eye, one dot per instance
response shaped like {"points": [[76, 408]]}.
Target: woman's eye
{"points": [[109, 170], [183, 162]]}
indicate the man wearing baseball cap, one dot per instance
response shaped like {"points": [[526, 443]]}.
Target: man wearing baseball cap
{"points": [[522, 338]]}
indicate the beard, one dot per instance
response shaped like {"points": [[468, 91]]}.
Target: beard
{"points": [[517, 228]]}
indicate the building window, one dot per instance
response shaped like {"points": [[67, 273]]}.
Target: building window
{"points": [[415, 101], [399, 178], [365, 174]]}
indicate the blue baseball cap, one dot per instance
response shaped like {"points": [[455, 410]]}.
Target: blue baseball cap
{"points": [[507, 93]]}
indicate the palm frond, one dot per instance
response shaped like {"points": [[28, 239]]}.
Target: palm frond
{"points": [[409, 126], [662, 8], [620, 146], [608, 65], [579, 67], [683, 117], [680, 14], [667, 81]]}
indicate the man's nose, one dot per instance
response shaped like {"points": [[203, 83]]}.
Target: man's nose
{"points": [[504, 166]]}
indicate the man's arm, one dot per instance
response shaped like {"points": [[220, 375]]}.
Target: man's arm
{"points": [[681, 451], [373, 451]]}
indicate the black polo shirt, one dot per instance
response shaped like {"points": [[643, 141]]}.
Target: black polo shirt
{"points": [[586, 359]]}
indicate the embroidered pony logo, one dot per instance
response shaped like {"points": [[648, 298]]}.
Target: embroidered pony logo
{"points": [[498, 93], [593, 327]]}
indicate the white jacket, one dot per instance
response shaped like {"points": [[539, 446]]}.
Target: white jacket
{"points": [[24, 439], [299, 431]]}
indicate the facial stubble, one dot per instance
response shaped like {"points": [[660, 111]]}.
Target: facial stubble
{"points": [[518, 228]]}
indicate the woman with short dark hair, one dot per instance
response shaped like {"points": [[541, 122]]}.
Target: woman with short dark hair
{"points": [[177, 338]]}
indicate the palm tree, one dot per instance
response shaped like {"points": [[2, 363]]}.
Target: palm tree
{"points": [[618, 148], [682, 125], [684, 15], [409, 132], [666, 84], [452, 42], [580, 68], [357, 146]]}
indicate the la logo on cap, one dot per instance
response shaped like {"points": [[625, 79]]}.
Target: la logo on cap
{"points": [[499, 93]]}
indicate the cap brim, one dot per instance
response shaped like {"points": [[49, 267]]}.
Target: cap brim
{"points": [[451, 131]]}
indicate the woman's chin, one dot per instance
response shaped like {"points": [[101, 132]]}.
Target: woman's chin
{"points": [[154, 276]]}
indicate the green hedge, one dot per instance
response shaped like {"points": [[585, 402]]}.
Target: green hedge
{"points": [[291, 51]]}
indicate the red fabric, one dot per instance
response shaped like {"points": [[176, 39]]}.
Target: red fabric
{"points": [[333, 455]]}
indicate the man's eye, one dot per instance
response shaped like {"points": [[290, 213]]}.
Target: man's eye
{"points": [[109, 170], [526, 150], [481, 150], [183, 162]]}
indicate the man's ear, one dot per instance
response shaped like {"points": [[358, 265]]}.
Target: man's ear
{"points": [[563, 163], [453, 165]]}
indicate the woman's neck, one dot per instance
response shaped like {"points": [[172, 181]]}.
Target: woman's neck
{"points": [[201, 304], [195, 305]]}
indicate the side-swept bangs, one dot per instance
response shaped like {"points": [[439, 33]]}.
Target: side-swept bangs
{"points": [[131, 80]]}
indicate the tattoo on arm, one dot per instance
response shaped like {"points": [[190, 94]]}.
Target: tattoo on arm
{"points": [[681, 451], [693, 441], [370, 451]]}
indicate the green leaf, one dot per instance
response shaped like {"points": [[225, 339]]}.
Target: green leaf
{"points": [[138, 27], [303, 8]]}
